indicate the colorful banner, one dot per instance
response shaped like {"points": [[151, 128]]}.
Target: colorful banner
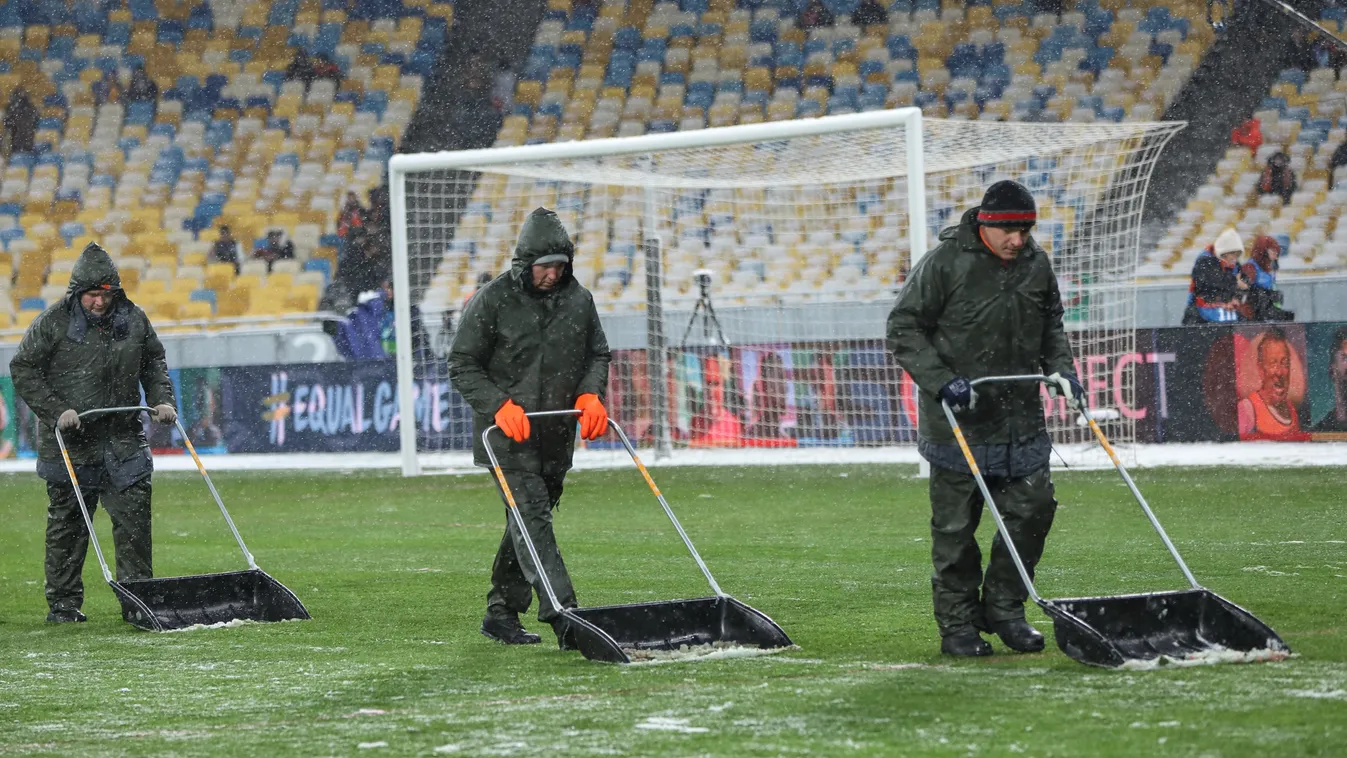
{"points": [[9, 426], [334, 407], [1326, 354], [1183, 384]]}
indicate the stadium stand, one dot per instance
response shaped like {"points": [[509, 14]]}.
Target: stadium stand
{"points": [[229, 140], [1304, 116], [627, 68]]}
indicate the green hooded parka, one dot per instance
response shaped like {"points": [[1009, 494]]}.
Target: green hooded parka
{"points": [[67, 359], [540, 349]]}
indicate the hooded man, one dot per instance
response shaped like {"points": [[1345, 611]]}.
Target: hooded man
{"points": [[530, 340], [93, 349], [985, 302]]}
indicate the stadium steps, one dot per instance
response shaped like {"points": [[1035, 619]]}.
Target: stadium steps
{"points": [[1230, 83], [448, 119]]}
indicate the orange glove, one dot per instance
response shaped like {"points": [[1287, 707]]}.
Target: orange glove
{"points": [[594, 419], [511, 420]]}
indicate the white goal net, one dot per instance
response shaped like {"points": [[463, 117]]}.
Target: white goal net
{"points": [[744, 274]]}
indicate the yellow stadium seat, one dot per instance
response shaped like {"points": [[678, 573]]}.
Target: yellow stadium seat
{"points": [[196, 310], [303, 298], [233, 303]]}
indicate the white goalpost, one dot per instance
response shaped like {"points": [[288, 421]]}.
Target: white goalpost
{"points": [[744, 273]]}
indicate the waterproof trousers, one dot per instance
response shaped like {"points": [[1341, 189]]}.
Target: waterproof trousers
{"points": [[68, 537], [514, 578], [1027, 506]]}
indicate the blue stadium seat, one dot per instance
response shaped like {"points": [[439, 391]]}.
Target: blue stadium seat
{"points": [[70, 230], [9, 235], [117, 33], [32, 304], [321, 265], [205, 296]]}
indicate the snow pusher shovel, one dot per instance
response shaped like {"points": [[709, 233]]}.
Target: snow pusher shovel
{"points": [[613, 633], [168, 603], [1193, 624]]}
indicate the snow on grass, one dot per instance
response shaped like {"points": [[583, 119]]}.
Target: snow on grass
{"points": [[690, 653], [371, 745], [1319, 694], [1210, 657], [669, 724], [220, 625]]}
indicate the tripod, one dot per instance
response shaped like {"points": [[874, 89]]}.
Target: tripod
{"points": [[708, 314]]}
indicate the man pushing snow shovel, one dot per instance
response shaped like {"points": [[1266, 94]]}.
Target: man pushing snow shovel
{"points": [[93, 349], [985, 302], [530, 341]]}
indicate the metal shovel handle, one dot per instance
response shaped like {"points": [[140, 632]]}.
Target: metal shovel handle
{"points": [[513, 508], [1103, 441], [79, 496]]}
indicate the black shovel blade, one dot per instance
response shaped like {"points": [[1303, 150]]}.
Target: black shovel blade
{"points": [[668, 625], [160, 605], [1110, 631]]}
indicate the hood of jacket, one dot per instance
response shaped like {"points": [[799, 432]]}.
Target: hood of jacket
{"points": [[541, 235], [93, 270]]}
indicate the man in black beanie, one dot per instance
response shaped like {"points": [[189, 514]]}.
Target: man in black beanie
{"points": [[985, 302]]}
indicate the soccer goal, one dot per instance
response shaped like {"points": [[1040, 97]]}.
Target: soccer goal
{"points": [[744, 274]]}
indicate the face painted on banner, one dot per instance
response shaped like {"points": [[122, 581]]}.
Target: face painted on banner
{"points": [[1274, 363]]}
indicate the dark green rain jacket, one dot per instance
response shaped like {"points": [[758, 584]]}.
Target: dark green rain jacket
{"points": [[541, 350], [68, 360], [965, 312]]}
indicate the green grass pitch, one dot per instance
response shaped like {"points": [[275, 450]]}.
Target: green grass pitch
{"points": [[395, 572]]}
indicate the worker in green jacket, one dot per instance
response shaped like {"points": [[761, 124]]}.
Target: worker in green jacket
{"points": [[985, 302], [93, 349], [528, 341]]}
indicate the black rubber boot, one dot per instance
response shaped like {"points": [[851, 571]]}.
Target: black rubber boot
{"points": [[965, 643], [565, 635], [65, 616], [1019, 636], [508, 630]]}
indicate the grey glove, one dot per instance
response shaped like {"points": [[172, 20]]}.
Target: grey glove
{"points": [[68, 420], [165, 413]]}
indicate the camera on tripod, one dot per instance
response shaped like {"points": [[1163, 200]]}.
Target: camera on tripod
{"points": [[702, 277]]}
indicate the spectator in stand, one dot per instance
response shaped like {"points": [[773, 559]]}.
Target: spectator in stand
{"points": [[276, 249], [1301, 52], [368, 331], [352, 216], [1278, 178], [1331, 54], [142, 89], [1216, 291], [107, 89], [226, 249], [483, 279], [1339, 159], [325, 68], [1263, 300], [365, 265], [1249, 134], [502, 90], [816, 14], [20, 122], [869, 13], [377, 217], [300, 69]]}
